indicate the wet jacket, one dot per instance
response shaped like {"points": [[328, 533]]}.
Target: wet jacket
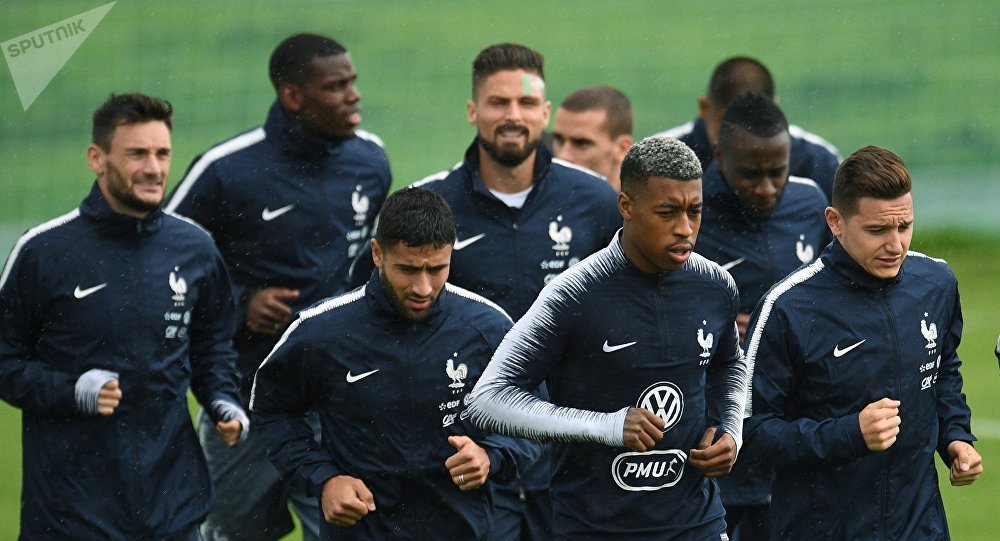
{"points": [[286, 209], [389, 392], [149, 300], [608, 336], [827, 341]]}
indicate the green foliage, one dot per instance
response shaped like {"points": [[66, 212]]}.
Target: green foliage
{"points": [[916, 76]]}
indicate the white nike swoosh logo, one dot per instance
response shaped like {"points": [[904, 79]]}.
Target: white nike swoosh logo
{"points": [[733, 263], [837, 352], [352, 379], [81, 293], [608, 349], [268, 214], [459, 244]]}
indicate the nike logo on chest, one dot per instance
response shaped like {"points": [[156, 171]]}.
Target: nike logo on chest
{"points": [[459, 244], [609, 348], [81, 293], [837, 352], [267, 214], [352, 378], [733, 263]]}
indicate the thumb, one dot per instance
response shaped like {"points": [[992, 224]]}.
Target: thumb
{"points": [[365, 495], [965, 458], [706, 438], [458, 441]]}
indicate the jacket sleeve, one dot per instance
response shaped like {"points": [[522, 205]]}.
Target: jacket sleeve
{"points": [[283, 393], [27, 381], [954, 415], [502, 399], [777, 431], [728, 380], [213, 359]]}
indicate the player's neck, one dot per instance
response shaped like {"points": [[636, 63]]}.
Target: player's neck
{"points": [[505, 179]]}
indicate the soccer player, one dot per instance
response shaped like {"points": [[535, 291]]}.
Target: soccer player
{"points": [[811, 155], [390, 368], [760, 224], [856, 375], [523, 218], [593, 128], [108, 315], [290, 204], [638, 343]]}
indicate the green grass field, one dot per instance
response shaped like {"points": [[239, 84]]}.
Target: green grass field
{"points": [[916, 76]]}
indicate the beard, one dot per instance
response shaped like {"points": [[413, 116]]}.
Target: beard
{"points": [[397, 301], [118, 187], [509, 157]]}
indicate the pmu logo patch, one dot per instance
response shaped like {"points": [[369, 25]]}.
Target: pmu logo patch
{"points": [[652, 470], [665, 400]]}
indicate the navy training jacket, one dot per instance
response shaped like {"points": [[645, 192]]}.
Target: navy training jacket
{"points": [[827, 341], [389, 392], [286, 209], [150, 300]]}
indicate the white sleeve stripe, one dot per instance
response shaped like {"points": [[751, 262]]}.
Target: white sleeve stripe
{"points": [[440, 175], [325, 306], [475, 297], [578, 167], [925, 256], [33, 232], [677, 131], [794, 279], [798, 132], [211, 156], [369, 136], [803, 180]]}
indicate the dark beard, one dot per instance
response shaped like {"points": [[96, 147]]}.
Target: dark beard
{"points": [[397, 303], [511, 158]]}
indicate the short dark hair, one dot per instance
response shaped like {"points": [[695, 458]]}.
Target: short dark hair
{"points": [[128, 108], [291, 60], [658, 156], [737, 75], [869, 172], [504, 57], [754, 113], [603, 98], [415, 217]]}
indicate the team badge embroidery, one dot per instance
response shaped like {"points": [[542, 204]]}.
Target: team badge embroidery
{"points": [[561, 236], [360, 205], [803, 251]]}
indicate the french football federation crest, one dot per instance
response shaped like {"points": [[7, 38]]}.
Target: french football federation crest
{"points": [[179, 287], [360, 204], [560, 236], [705, 341], [930, 332], [456, 373], [804, 251]]}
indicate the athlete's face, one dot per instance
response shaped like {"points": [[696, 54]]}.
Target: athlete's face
{"points": [[509, 112], [132, 173], [412, 276], [878, 235], [327, 104], [582, 137], [661, 223], [755, 169]]}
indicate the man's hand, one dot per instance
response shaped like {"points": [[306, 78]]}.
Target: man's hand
{"points": [[714, 459], [266, 313], [742, 321], [642, 429], [470, 466], [880, 424], [230, 431], [966, 464], [346, 500], [108, 398]]}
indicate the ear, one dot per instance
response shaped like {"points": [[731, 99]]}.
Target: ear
{"points": [[377, 254], [703, 107], [96, 159], [470, 111], [834, 220], [290, 96], [626, 206], [622, 144], [548, 112]]}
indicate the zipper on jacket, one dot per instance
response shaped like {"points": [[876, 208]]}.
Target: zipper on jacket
{"points": [[895, 373]]}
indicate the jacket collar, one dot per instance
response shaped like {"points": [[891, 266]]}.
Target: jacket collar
{"points": [[847, 271], [96, 209], [379, 303], [543, 160], [295, 140]]}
